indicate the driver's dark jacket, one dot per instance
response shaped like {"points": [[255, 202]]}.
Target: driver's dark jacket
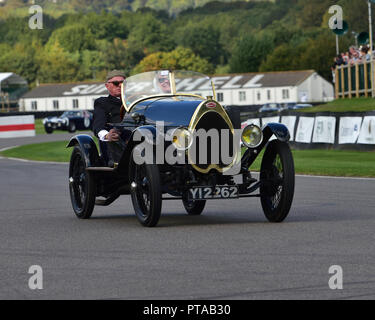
{"points": [[106, 110]]}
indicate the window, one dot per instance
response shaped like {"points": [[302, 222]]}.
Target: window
{"points": [[75, 104], [220, 97], [242, 95], [285, 94], [55, 104], [259, 96], [269, 94], [34, 105]]}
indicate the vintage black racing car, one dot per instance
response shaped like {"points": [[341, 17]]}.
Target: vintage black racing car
{"points": [[179, 143], [69, 121]]}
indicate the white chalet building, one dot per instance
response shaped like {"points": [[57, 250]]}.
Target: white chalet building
{"points": [[231, 89]]}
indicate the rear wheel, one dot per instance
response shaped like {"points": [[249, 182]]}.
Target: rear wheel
{"points": [[277, 181], [72, 127], [193, 207], [145, 192], [81, 185], [48, 130]]}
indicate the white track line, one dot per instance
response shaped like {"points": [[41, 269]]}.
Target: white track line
{"points": [[8, 148], [297, 175], [33, 161]]}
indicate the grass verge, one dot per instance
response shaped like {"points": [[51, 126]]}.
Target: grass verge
{"points": [[314, 162], [344, 105], [50, 151]]}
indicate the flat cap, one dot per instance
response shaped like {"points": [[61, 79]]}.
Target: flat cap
{"points": [[115, 73]]}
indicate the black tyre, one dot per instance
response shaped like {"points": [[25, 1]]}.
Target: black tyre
{"points": [[277, 181], [72, 127], [81, 185], [48, 130], [193, 207], [146, 192]]}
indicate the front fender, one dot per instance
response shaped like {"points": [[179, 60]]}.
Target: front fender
{"points": [[280, 131], [88, 148], [148, 133]]}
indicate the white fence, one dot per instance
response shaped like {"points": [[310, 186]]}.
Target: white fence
{"points": [[325, 129]]}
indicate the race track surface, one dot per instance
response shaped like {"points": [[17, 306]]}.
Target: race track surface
{"points": [[230, 252]]}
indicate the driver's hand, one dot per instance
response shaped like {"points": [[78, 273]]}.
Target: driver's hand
{"points": [[112, 135]]}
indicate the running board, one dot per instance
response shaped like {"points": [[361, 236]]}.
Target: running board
{"points": [[102, 169], [107, 201]]}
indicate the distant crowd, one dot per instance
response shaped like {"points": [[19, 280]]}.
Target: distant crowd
{"points": [[353, 56]]}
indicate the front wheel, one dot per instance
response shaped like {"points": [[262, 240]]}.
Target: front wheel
{"points": [[193, 207], [277, 181], [145, 192], [81, 185]]}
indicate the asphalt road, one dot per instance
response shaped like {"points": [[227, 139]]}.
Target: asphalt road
{"points": [[230, 252]]}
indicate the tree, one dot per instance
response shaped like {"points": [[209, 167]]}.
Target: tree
{"points": [[204, 41], [151, 34], [73, 38], [105, 26], [178, 59], [20, 59], [249, 53], [57, 65], [118, 54], [281, 59]]}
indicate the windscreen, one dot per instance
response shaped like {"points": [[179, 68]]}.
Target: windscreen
{"points": [[190, 82], [164, 82]]}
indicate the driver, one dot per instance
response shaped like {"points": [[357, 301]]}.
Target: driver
{"points": [[107, 110]]}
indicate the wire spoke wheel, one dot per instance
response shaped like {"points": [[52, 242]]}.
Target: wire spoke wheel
{"points": [[277, 181], [193, 207], [146, 192], [81, 186]]}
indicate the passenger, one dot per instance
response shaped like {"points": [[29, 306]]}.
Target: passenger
{"points": [[162, 82]]}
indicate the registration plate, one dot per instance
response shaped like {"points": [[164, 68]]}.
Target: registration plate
{"points": [[217, 192]]}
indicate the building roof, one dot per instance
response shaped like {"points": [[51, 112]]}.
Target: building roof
{"points": [[11, 78], [222, 82]]}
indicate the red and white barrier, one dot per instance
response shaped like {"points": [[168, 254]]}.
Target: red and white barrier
{"points": [[17, 126]]}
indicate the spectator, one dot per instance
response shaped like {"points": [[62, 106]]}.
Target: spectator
{"points": [[364, 54], [355, 55]]}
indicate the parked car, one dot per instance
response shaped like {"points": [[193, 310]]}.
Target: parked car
{"points": [[302, 106], [289, 105], [70, 121], [170, 122], [271, 107]]}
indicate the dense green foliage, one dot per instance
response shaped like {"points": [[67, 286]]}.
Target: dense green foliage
{"points": [[83, 39]]}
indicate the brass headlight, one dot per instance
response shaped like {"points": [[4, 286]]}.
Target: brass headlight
{"points": [[252, 136], [182, 138]]}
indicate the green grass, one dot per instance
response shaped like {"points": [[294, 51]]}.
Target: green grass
{"points": [[344, 105], [49, 151], [314, 162], [330, 163], [39, 127]]}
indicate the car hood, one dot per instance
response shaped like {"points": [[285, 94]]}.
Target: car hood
{"points": [[173, 113]]}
